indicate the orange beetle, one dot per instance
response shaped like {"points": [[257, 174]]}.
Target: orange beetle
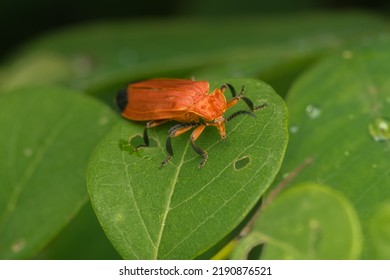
{"points": [[185, 101]]}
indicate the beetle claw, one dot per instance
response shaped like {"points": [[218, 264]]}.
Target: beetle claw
{"points": [[165, 162], [203, 162]]}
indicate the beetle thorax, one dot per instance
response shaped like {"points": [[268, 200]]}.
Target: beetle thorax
{"points": [[211, 107]]}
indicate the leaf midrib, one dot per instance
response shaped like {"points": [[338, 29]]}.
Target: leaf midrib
{"points": [[240, 189], [168, 202]]}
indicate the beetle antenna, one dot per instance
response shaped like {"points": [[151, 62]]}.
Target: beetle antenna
{"points": [[248, 102], [242, 112], [262, 106], [233, 90], [243, 89]]}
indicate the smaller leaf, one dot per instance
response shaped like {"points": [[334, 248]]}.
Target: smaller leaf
{"points": [[48, 134], [307, 221], [84, 233], [339, 116], [37, 69]]}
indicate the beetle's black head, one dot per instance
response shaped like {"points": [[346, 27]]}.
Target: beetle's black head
{"points": [[121, 99]]}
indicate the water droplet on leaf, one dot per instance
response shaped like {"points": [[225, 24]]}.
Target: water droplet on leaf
{"points": [[28, 152], [313, 112], [380, 129], [347, 54], [18, 245], [294, 129], [103, 121]]}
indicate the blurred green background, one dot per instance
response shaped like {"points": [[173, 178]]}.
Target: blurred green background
{"points": [[24, 20]]}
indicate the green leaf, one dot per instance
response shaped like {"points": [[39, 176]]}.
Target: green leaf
{"points": [[307, 221], [379, 232], [38, 69], [339, 118], [180, 211], [47, 137], [84, 233]]}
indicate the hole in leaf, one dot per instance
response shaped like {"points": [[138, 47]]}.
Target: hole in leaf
{"points": [[136, 141], [139, 140], [131, 144], [241, 163], [125, 146]]}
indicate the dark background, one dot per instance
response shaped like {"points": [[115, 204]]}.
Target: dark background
{"points": [[26, 19]]}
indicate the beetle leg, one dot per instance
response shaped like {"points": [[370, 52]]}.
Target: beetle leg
{"points": [[173, 132], [238, 97], [194, 135], [149, 125]]}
